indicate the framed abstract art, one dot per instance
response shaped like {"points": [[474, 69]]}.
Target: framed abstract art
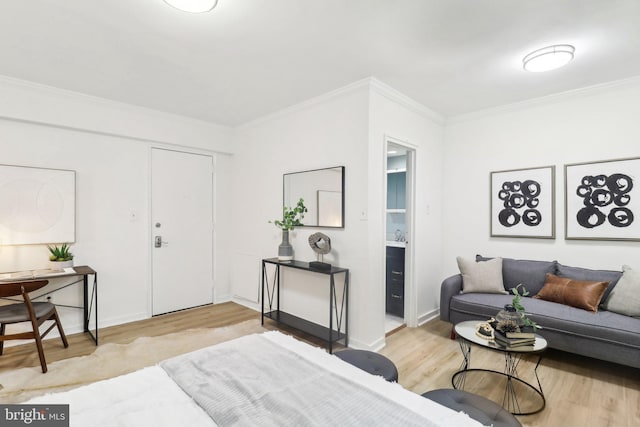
{"points": [[602, 200], [37, 205], [523, 203]]}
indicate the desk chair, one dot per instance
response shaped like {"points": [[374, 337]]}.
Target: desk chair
{"points": [[35, 312]]}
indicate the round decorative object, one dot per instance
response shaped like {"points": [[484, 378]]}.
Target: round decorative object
{"points": [[320, 243], [508, 318], [484, 330]]}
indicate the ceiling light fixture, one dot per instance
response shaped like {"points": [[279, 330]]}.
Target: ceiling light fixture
{"points": [[193, 6], [548, 58]]}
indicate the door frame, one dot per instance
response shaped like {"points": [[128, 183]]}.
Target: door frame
{"points": [[150, 227], [410, 289]]}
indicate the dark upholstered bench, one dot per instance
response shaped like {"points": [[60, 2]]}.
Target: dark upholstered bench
{"points": [[373, 363], [477, 407]]}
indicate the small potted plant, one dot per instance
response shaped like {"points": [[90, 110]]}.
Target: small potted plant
{"points": [[60, 257], [528, 324], [291, 217]]}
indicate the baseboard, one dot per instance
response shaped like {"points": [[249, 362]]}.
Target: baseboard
{"points": [[222, 299], [430, 315], [374, 346], [246, 303], [105, 323]]}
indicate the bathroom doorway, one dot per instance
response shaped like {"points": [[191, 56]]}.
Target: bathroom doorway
{"points": [[399, 287]]}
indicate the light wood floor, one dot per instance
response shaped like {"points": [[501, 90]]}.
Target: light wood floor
{"points": [[579, 391]]}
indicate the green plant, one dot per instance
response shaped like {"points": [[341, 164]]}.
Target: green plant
{"points": [[291, 217], [60, 253], [517, 296]]}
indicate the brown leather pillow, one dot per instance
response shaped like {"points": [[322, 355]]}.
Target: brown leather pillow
{"points": [[576, 293]]}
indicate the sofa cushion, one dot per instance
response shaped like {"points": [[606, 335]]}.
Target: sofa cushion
{"points": [[576, 293], [531, 274], [625, 298], [579, 273], [481, 276]]}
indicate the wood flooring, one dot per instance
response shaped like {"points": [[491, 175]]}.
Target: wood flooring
{"points": [[579, 391]]}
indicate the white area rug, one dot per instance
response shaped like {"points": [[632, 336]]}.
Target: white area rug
{"points": [[111, 360]]}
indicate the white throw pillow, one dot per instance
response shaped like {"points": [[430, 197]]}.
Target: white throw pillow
{"points": [[483, 276], [625, 297]]}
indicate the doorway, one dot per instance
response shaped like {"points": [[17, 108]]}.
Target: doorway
{"points": [[399, 295], [181, 230]]}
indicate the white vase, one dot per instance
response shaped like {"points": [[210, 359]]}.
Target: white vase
{"points": [[60, 265]]}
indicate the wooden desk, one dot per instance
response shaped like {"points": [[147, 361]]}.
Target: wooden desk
{"points": [[90, 301]]}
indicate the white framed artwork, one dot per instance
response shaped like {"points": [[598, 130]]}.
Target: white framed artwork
{"points": [[602, 200], [37, 205], [523, 203]]}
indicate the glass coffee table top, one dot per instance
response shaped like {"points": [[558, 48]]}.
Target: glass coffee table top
{"points": [[467, 330]]}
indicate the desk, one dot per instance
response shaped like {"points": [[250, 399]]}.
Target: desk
{"points": [[329, 334], [89, 300]]}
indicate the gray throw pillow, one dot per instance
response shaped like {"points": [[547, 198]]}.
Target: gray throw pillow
{"points": [[532, 274], [485, 276], [625, 298]]}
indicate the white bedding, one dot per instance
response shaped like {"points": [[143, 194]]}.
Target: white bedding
{"points": [[149, 397]]}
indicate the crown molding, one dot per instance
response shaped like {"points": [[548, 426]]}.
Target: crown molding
{"points": [[311, 102], [405, 101], [370, 83], [36, 103], [544, 100]]}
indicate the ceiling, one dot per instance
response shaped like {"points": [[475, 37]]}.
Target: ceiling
{"points": [[249, 58]]}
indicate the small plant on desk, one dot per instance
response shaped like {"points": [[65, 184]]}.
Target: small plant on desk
{"points": [[60, 253]]}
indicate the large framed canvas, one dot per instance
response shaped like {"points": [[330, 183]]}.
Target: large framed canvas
{"points": [[37, 205], [523, 203], [602, 200]]}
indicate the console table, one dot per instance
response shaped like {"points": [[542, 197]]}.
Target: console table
{"points": [[82, 274], [337, 309]]}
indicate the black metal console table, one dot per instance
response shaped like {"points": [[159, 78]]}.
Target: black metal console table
{"points": [[337, 309]]}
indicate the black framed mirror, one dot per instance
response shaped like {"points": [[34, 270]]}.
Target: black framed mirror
{"points": [[323, 194]]}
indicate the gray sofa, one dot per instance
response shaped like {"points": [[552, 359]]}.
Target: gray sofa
{"points": [[603, 335]]}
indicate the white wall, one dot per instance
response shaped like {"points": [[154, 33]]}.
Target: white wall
{"points": [[107, 144], [393, 115], [347, 127], [324, 132], [589, 125]]}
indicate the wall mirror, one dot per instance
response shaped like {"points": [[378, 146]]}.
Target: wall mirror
{"points": [[323, 194]]}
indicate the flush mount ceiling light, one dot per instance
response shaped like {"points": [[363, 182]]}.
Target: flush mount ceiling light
{"points": [[193, 6], [548, 58]]}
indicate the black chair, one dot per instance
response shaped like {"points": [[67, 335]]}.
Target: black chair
{"points": [[477, 407], [373, 363], [34, 312]]}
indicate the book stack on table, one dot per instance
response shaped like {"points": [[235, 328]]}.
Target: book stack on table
{"points": [[519, 340]]}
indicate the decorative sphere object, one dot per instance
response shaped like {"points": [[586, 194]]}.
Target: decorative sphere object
{"points": [[509, 320], [320, 243]]}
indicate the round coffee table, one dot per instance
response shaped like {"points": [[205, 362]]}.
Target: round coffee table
{"points": [[466, 333]]}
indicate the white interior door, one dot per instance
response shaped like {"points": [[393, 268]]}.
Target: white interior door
{"points": [[182, 230]]}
